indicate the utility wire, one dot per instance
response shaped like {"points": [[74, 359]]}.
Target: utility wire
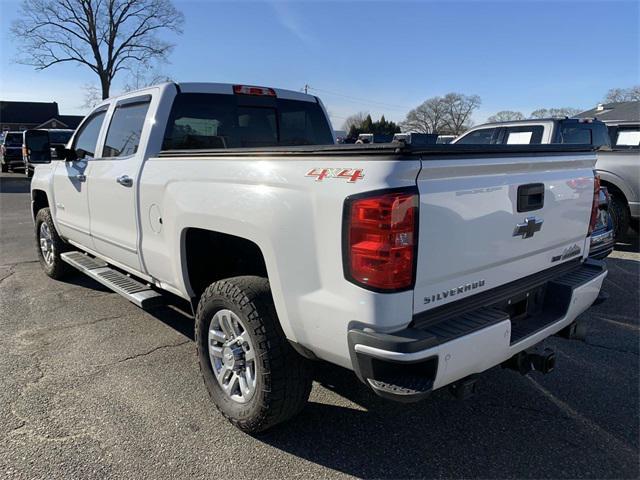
{"points": [[364, 101]]}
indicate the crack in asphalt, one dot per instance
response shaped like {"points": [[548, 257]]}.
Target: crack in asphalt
{"points": [[23, 428], [10, 273], [91, 322], [103, 366], [11, 265]]}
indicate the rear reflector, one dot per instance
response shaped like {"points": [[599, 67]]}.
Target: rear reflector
{"points": [[595, 206], [380, 240], [249, 90]]}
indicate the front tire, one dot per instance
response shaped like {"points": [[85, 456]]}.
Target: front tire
{"points": [[253, 375], [5, 167], [50, 246]]}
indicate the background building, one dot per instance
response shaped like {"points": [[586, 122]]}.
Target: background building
{"points": [[25, 115]]}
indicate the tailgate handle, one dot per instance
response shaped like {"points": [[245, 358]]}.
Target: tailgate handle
{"points": [[530, 197]]}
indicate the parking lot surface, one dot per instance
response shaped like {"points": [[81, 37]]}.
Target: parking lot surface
{"points": [[93, 387]]}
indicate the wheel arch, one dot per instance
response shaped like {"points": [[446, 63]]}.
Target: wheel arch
{"points": [[39, 200], [209, 256], [615, 184]]}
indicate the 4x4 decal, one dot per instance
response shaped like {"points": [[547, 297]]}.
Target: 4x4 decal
{"points": [[352, 175]]}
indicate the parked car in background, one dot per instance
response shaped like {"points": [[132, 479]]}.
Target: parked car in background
{"points": [[398, 262], [416, 138], [583, 131], [619, 170], [57, 138], [11, 151]]}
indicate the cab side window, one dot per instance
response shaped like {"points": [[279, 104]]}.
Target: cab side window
{"points": [[524, 135], [479, 137], [123, 137], [87, 138]]}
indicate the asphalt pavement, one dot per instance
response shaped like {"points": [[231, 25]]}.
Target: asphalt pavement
{"points": [[93, 387]]}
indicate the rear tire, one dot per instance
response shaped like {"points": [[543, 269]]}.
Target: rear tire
{"points": [[620, 216], [50, 246], [282, 377]]}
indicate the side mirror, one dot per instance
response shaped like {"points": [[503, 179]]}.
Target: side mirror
{"points": [[38, 148]]}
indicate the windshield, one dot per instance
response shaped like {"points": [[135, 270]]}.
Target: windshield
{"points": [[60, 137], [203, 120]]}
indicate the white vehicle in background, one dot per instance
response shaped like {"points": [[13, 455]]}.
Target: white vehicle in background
{"points": [[415, 267], [581, 131]]}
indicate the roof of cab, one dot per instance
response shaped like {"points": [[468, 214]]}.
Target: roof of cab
{"points": [[227, 88]]}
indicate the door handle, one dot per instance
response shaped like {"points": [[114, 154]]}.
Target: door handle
{"points": [[81, 178], [125, 180]]}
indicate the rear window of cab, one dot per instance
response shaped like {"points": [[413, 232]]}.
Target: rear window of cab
{"points": [[205, 120]]}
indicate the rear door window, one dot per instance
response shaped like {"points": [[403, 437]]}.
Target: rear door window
{"points": [[202, 120], [482, 136], [583, 132], [523, 135], [123, 137]]}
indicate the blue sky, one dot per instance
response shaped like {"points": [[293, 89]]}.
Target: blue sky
{"points": [[383, 57]]}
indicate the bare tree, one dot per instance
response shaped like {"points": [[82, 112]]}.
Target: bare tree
{"points": [[142, 76], [429, 117], [631, 94], [92, 96], [106, 36], [458, 108], [506, 116], [357, 119], [555, 112], [450, 114]]}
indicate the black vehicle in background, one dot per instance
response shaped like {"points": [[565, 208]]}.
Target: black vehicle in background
{"points": [[11, 151], [32, 157]]}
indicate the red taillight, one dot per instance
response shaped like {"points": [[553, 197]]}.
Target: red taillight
{"points": [[595, 206], [380, 240], [249, 90]]}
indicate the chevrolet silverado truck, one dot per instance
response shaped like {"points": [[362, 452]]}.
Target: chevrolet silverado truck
{"points": [[415, 267]]}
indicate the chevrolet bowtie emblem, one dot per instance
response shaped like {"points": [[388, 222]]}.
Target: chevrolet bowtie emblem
{"points": [[530, 226]]}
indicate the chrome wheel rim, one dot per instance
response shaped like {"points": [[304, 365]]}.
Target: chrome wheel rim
{"points": [[46, 244], [232, 356]]}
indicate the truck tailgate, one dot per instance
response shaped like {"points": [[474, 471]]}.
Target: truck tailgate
{"points": [[469, 215]]}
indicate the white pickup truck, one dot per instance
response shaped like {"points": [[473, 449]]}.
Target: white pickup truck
{"points": [[416, 267]]}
